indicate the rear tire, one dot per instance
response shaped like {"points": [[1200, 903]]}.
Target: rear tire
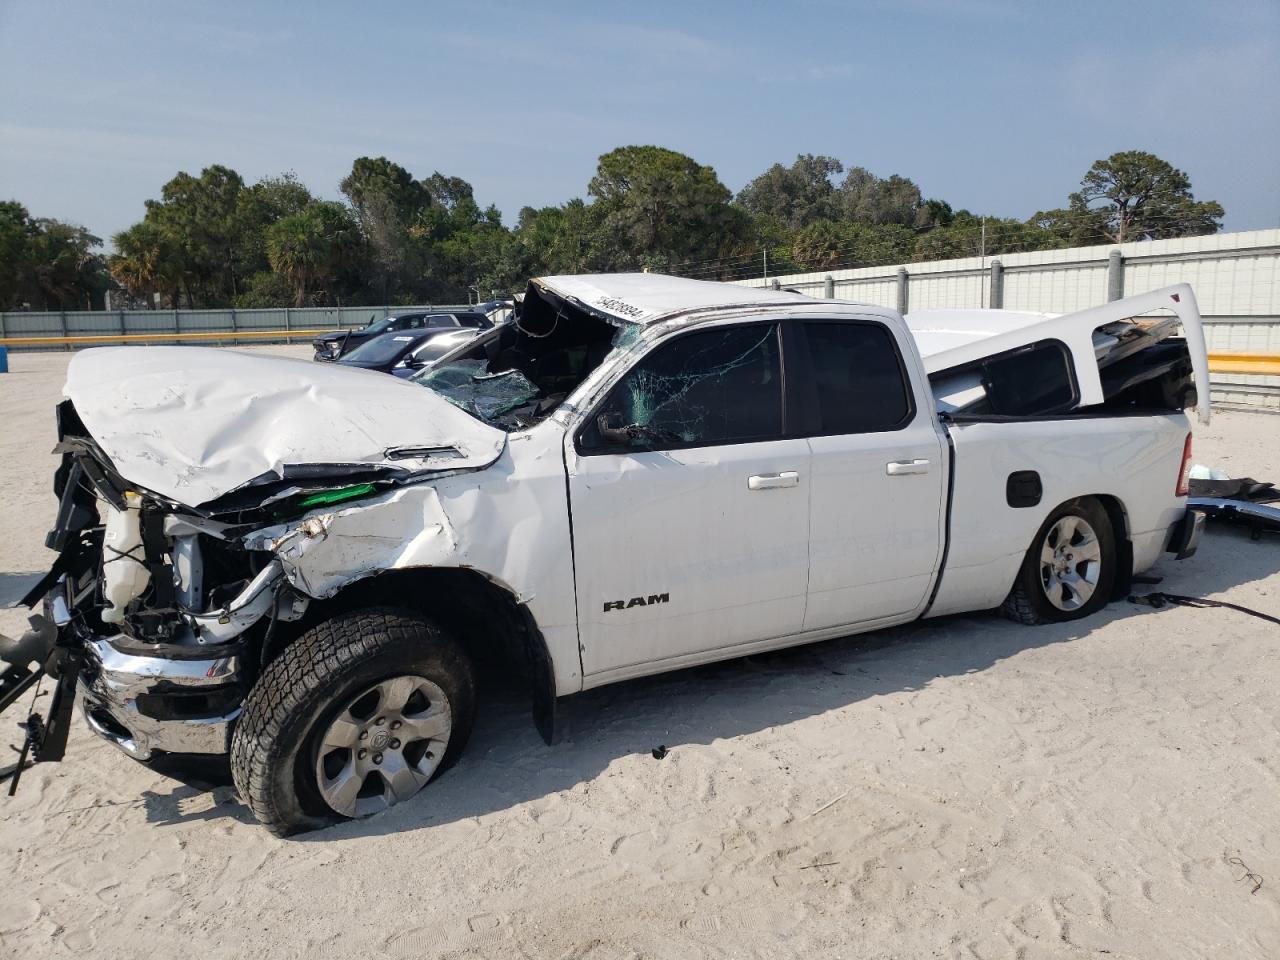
{"points": [[334, 695], [1069, 569]]}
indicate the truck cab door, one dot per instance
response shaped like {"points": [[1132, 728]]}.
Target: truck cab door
{"points": [[690, 504], [878, 477]]}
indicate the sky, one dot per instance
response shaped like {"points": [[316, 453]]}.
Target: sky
{"points": [[997, 106]]}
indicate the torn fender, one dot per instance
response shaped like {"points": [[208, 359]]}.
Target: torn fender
{"points": [[192, 424], [326, 551]]}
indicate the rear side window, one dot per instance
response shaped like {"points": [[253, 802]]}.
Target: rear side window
{"points": [[858, 377], [441, 320], [473, 320], [703, 389]]}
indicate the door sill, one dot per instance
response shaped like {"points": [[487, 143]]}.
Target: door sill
{"points": [[631, 671]]}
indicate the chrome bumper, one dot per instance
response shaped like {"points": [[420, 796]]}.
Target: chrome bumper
{"points": [[147, 704]]}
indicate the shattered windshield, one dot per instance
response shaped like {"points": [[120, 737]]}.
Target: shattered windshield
{"points": [[466, 384], [518, 377]]}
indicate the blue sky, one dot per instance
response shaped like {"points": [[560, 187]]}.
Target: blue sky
{"points": [[995, 105]]}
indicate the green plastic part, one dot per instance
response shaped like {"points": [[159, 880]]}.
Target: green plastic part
{"points": [[335, 496]]}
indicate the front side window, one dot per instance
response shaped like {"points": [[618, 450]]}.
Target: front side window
{"points": [[858, 377], [702, 389]]}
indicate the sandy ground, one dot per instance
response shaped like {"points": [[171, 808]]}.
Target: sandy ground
{"points": [[961, 788]]}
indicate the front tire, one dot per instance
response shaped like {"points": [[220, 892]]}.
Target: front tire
{"points": [[1069, 569], [356, 715]]}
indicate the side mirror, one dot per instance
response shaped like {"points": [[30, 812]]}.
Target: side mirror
{"points": [[415, 363], [612, 429]]}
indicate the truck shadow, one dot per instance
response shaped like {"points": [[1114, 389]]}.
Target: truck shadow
{"points": [[506, 763]]}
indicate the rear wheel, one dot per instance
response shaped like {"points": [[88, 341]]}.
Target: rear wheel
{"points": [[1069, 570], [355, 716]]}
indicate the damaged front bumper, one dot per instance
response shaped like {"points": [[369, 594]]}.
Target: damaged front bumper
{"points": [[151, 704]]}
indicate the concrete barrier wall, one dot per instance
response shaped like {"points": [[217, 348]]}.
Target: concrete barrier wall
{"points": [[107, 322]]}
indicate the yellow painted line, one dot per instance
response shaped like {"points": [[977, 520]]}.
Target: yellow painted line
{"points": [[1265, 363], [158, 335]]}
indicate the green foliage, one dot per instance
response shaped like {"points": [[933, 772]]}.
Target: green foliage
{"points": [[48, 264], [828, 245], [212, 241], [312, 247], [1138, 196], [660, 207], [794, 197]]}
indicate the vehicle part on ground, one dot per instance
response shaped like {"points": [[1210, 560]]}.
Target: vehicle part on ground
{"points": [[1254, 504], [1161, 599], [1069, 570], [302, 722]]}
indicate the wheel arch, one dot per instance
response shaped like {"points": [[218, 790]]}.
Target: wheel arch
{"points": [[1119, 518], [485, 617]]}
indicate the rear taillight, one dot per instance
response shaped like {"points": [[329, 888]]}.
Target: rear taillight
{"points": [[1184, 473]]}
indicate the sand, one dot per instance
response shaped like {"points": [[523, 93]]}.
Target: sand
{"points": [[960, 788]]}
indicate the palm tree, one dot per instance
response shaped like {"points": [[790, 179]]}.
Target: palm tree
{"points": [[146, 261], [309, 247]]}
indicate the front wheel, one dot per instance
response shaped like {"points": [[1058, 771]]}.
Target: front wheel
{"points": [[1070, 568], [355, 716]]}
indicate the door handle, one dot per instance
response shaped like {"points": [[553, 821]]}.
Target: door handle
{"points": [[772, 481], [901, 468]]}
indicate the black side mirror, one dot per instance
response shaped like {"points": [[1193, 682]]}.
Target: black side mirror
{"points": [[612, 429]]}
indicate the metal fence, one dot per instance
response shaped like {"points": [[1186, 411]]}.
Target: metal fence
{"points": [[158, 322], [1235, 276]]}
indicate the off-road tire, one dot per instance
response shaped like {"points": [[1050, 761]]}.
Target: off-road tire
{"points": [[1028, 603], [271, 748]]}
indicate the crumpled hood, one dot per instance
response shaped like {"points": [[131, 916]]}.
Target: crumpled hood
{"points": [[194, 423]]}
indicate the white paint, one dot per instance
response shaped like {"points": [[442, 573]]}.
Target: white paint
{"points": [[192, 423], [644, 298]]}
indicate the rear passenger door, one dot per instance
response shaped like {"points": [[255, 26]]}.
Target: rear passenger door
{"points": [[878, 474]]}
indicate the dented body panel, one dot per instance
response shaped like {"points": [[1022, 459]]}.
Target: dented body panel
{"points": [[194, 423]]}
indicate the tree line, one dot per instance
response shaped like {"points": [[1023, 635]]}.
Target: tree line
{"points": [[212, 240]]}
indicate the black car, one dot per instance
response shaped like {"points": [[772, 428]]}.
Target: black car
{"points": [[404, 354], [331, 346]]}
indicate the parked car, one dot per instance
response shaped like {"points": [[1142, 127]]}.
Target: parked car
{"points": [[331, 346], [634, 474], [405, 354]]}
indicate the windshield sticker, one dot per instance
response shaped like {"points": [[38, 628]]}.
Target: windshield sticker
{"points": [[402, 339]]}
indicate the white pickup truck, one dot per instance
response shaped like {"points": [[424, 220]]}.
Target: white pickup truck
{"points": [[304, 568]]}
